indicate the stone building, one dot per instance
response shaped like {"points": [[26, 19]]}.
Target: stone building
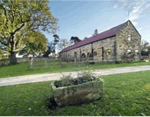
{"points": [[119, 43]]}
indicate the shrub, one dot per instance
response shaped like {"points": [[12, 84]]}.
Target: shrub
{"points": [[83, 77], [145, 53]]}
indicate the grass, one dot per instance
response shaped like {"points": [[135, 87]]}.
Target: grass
{"points": [[124, 94], [54, 67]]}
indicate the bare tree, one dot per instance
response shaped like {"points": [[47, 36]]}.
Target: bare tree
{"points": [[63, 43], [144, 45]]}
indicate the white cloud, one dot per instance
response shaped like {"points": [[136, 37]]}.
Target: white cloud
{"points": [[135, 8]]}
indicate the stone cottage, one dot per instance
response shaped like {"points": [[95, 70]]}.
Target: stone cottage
{"points": [[119, 43]]}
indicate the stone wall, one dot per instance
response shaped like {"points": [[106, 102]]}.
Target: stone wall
{"points": [[97, 48], [107, 44], [123, 44], [79, 51], [86, 49]]}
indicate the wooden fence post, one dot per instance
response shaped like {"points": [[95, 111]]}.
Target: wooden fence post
{"points": [[45, 63]]}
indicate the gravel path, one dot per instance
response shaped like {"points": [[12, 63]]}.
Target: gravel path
{"points": [[56, 76]]}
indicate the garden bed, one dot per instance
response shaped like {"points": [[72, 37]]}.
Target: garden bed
{"points": [[76, 91], [76, 81]]}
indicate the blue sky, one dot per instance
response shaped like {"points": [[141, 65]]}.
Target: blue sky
{"points": [[81, 18]]}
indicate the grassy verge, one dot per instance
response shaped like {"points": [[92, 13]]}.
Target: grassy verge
{"points": [[124, 94], [54, 67]]}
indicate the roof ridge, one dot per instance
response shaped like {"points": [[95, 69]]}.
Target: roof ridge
{"points": [[110, 29]]}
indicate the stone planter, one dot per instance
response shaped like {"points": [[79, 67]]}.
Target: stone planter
{"points": [[76, 94]]}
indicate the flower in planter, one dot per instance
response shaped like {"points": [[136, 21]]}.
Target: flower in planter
{"points": [[83, 77], [66, 80]]}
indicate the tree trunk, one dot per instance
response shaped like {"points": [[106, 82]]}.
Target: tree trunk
{"points": [[33, 54], [31, 62], [13, 59]]}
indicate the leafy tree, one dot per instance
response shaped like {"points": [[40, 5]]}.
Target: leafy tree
{"points": [[95, 32], [56, 39], [35, 42], [145, 48], [51, 49], [85, 38], [75, 40], [17, 17], [3, 50], [63, 43], [52, 46], [144, 45]]}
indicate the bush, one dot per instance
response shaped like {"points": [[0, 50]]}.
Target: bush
{"points": [[118, 62], [144, 53]]}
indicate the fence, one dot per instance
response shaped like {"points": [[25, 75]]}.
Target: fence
{"points": [[39, 62], [45, 60], [69, 62], [72, 61], [20, 60], [89, 59]]}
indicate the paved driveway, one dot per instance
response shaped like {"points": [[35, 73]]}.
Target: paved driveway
{"points": [[56, 76]]}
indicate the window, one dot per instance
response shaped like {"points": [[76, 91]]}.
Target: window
{"points": [[128, 51], [129, 37], [136, 51], [95, 53], [75, 54], [102, 53]]}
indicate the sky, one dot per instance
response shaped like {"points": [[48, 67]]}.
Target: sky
{"points": [[81, 17]]}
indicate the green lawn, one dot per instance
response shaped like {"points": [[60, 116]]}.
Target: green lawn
{"points": [[53, 67], [124, 94]]}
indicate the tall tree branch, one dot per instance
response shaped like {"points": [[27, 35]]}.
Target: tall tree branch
{"points": [[5, 13], [3, 43], [8, 39], [18, 29]]}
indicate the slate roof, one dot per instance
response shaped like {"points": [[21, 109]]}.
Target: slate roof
{"points": [[103, 35]]}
